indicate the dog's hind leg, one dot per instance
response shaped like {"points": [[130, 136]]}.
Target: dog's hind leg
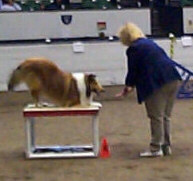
{"points": [[35, 95], [34, 85]]}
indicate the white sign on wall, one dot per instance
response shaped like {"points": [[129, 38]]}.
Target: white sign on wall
{"points": [[78, 47], [188, 20], [186, 41]]}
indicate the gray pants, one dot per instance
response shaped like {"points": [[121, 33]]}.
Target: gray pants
{"points": [[159, 107]]}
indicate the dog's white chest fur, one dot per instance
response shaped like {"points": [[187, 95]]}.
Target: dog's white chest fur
{"points": [[84, 100]]}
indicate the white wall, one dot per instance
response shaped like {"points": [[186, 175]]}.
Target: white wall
{"points": [[188, 20], [41, 25], [106, 59]]}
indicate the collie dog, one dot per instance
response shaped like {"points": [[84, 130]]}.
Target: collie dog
{"points": [[44, 78]]}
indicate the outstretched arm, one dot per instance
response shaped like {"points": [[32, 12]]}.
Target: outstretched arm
{"points": [[126, 90]]}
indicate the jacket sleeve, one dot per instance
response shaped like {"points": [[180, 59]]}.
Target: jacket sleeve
{"points": [[131, 76]]}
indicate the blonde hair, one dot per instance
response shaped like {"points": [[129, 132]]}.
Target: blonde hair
{"points": [[129, 33]]}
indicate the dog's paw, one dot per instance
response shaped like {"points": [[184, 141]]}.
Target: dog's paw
{"points": [[40, 105], [96, 104], [45, 104]]}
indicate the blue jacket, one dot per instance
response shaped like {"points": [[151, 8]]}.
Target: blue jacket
{"points": [[149, 68]]}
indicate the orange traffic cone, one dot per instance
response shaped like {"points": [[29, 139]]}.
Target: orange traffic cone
{"points": [[105, 150]]}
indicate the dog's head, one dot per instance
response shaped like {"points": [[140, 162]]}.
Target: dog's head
{"points": [[92, 85]]}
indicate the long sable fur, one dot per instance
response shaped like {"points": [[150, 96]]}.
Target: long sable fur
{"points": [[43, 77]]}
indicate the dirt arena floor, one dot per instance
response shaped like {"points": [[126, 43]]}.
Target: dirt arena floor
{"points": [[122, 121]]}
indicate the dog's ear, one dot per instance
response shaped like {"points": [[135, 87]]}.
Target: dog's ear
{"points": [[91, 78]]}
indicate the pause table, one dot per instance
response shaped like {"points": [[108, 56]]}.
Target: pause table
{"points": [[31, 115]]}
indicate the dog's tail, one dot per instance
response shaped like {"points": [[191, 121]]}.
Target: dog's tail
{"points": [[15, 78]]}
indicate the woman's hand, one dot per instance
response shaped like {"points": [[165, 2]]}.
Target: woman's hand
{"points": [[124, 92]]}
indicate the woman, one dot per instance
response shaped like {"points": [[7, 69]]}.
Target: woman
{"points": [[155, 78], [10, 5]]}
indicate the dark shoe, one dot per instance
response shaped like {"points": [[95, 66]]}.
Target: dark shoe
{"points": [[166, 150]]}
